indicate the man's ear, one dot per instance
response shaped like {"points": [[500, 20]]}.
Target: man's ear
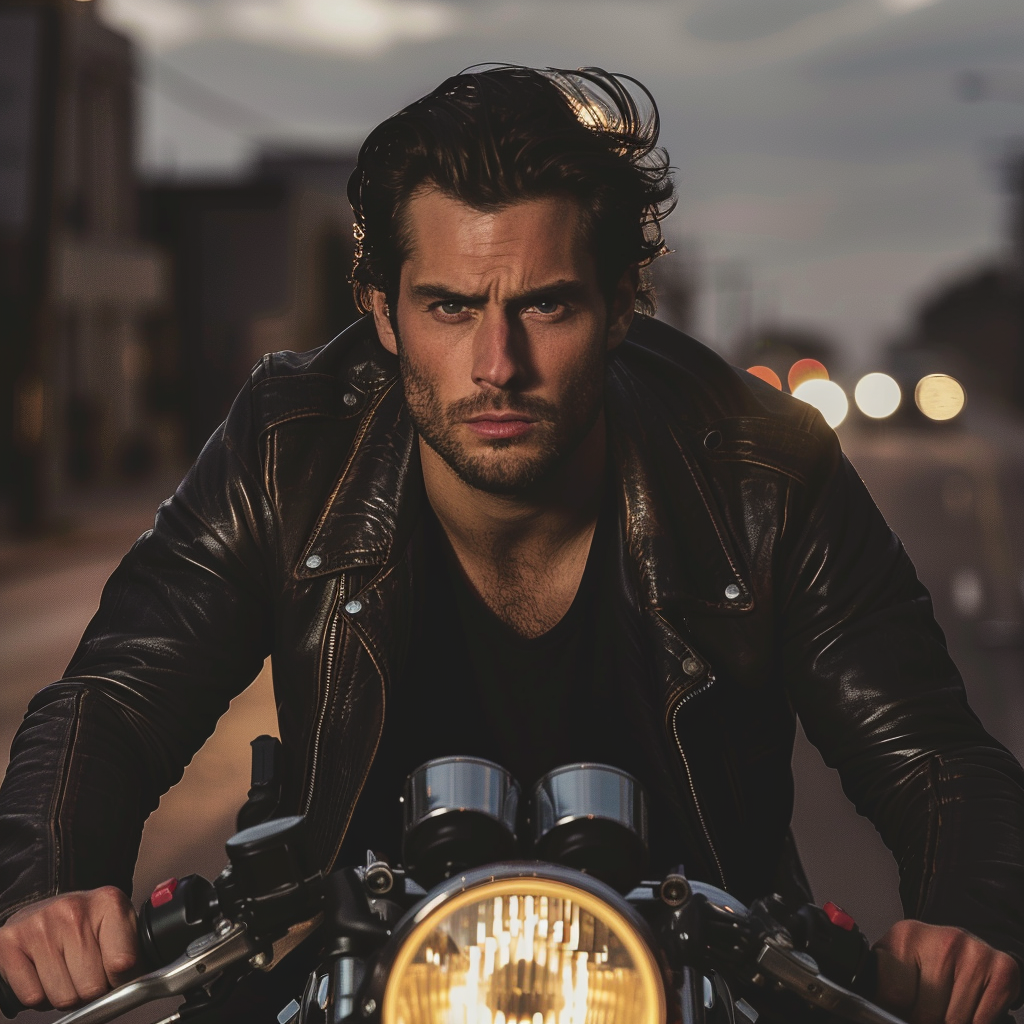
{"points": [[386, 333], [620, 309]]}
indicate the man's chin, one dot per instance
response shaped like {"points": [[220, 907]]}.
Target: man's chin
{"points": [[502, 469]]}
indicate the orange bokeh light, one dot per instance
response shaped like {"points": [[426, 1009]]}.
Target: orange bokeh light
{"points": [[804, 370], [766, 373]]}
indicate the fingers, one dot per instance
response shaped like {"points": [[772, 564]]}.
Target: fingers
{"points": [[897, 981], [118, 937], [20, 974], [1002, 989], [939, 975], [70, 948]]}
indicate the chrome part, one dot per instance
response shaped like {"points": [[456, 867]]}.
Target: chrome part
{"points": [[746, 1011], [289, 1013], [674, 891], [592, 817], [460, 784], [444, 893], [347, 976], [718, 897], [459, 812], [800, 974], [584, 791], [323, 991], [211, 955], [691, 998]]}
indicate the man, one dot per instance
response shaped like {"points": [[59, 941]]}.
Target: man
{"points": [[504, 493]]}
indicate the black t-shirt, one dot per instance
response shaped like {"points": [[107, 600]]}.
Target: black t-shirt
{"points": [[473, 686]]}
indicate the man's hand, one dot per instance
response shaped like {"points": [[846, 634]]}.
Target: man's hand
{"points": [[69, 949], [935, 975]]}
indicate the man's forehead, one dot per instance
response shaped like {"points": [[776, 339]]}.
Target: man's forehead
{"points": [[535, 236]]}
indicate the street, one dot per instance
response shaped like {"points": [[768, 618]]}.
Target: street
{"points": [[955, 498]]}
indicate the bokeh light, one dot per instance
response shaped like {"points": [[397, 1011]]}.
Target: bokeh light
{"points": [[939, 396], [827, 397], [877, 395], [804, 370], [967, 593], [767, 374]]}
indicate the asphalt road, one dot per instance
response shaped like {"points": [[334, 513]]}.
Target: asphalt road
{"points": [[955, 498]]}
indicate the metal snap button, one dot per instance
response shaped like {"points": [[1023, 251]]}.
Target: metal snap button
{"points": [[314, 562], [732, 591], [712, 440], [691, 666], [349, 398], [354, 607]]}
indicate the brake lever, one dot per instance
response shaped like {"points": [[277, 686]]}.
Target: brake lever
{"points": [[798, 972], [202, 963]]}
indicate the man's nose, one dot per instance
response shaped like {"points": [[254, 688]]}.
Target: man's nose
{"points": [[496, 361]]}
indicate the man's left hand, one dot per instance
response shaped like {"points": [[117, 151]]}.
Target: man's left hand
{"points": [[938, 975]]}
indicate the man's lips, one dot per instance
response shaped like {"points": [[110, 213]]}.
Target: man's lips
{"points": [[498, 426]]}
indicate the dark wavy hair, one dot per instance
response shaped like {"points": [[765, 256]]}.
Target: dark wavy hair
{"points": [[499, 135]]}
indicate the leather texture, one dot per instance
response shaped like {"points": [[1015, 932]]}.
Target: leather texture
{"points": [[293, 536]]}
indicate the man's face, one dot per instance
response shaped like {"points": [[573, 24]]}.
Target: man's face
{"points": [[502, 334]]}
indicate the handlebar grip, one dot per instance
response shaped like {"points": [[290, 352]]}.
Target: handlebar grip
{"points": [[9, 1005]]}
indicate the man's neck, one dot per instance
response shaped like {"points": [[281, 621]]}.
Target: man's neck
{"points": [[523, 554]]}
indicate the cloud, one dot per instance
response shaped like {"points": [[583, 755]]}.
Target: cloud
{"points": [[743, 20], [353, 26]]}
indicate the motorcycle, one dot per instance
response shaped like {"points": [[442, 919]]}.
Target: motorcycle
{"points": [[463, 932]]}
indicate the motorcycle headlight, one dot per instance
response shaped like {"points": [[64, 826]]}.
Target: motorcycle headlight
{"points": [[538, 946]]}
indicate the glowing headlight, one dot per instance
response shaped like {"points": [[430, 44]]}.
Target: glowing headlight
{"points": [[524, 950]]}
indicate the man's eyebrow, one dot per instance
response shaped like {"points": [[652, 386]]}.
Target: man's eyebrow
{"points": [[439, 292]]}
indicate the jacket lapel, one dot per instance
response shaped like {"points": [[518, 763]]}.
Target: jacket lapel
{"points": [[684, 560], [373, 507]]}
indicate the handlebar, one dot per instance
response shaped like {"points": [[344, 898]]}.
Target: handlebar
{"points": [[202, 963], [800, 974]]}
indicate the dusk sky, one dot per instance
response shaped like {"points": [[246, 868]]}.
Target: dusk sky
{"points": [[822, 143]]}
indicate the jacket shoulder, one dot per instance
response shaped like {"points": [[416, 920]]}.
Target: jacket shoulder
{"points": [[728, 414], [335, 381]]}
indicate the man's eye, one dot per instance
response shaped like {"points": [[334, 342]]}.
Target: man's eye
{"points": [[451, 308], [547, 306]]}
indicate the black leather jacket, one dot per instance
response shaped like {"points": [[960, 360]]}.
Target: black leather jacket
{"points": [[758, 580]]}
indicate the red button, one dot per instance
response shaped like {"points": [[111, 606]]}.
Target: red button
{"points": [[839, 917], [164, 892]]}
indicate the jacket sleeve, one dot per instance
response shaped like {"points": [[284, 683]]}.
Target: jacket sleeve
{"points": [[870, 677], [183, 626]]}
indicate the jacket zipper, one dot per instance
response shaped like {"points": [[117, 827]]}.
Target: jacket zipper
{"points": [[332, 640], [689, 775]]}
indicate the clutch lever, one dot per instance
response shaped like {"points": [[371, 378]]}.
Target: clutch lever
{"points": [[202, 963], [798, 972]]}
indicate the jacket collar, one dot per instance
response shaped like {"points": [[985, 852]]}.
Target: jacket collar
{"points": [[673, 530]]}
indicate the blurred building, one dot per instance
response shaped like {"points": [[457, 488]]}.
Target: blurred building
{"points": [[975, 325], [76, 283], [676, 280], [975, 321], [258, 264]]}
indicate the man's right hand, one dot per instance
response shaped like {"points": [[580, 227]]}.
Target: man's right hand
{"points": [[69, 949]]}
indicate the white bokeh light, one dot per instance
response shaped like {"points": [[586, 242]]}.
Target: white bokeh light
{"points": [[827, 397], [877, 395]]}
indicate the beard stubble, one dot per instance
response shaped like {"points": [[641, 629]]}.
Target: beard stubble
{"points": [[511, 465]]}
